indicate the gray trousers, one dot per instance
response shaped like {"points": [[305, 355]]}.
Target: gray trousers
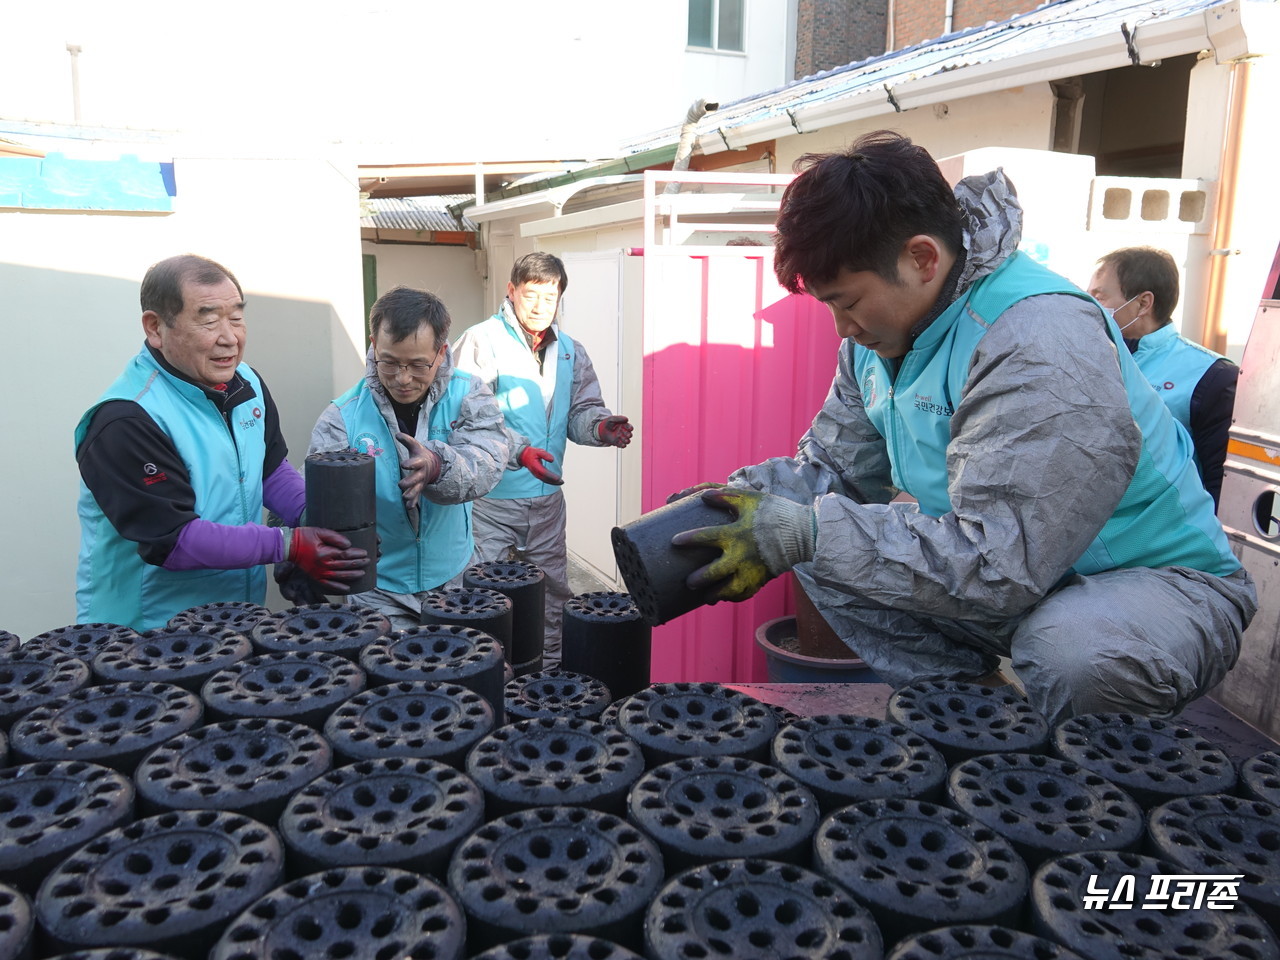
{"points": [[1144, 641], [404, 610], [532, 529]]}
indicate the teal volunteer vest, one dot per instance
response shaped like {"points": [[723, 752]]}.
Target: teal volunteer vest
{"points": [[1165, 517], [113, 583], [524, 405], [411, 561]]}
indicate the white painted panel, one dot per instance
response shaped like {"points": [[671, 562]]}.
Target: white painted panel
{"points": [[592, 315]]}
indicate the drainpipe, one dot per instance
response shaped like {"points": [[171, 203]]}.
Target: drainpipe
{"points": [[688, 133], [74, 50], [949, 17], [1213, 332], [888, 28]]}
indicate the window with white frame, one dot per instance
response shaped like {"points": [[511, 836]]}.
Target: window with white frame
{"points": [[716, 24]]}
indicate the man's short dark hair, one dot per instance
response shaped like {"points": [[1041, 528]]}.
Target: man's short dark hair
{"points": [[402, 310], [1142, 269], [540, 267], [856, 209], [162, 286]]}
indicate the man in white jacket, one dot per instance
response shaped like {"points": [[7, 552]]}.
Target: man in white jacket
{"points": [[549, 394]]}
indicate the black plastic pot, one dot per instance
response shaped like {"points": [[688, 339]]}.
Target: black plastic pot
{"points": [[340, 628], [524, 584], [430, 721], [171, 882], [440, 653], [363, 913], [50, 809], [604, 636], [240, 766], [844, 759], [400, 813], [656, 572], [341, 490], [480, 609], [758, 910]]}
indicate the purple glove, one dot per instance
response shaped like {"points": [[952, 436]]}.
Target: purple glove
{"points": [[532, 458]]}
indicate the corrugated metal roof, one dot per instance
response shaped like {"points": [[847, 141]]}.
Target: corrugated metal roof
{"points": [[1063, 24], [416, 213]]}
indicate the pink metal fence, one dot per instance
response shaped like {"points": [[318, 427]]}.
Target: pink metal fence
{"points": [[734, 370]]}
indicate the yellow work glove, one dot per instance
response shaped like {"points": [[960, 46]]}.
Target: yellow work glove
{"points": [[767, 537]]}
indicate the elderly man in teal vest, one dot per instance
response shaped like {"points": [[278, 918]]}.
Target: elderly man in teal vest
{"points": [[549, 395], [177, 460], [1140, 287], [1058, 516], [438, 442]]}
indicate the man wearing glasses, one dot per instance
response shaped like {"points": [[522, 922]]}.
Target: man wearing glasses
{"points": [[437, 437], [178, 458], [549, 395]]}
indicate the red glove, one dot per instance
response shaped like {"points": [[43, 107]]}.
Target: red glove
{"points": [[422, 468], [532, 458], [615, 431], [327, 557]]}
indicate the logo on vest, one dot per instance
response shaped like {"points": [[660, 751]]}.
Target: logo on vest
{"points": [[869, 389], [927, 405], [367, 443], [1168, 384], [152, 474]]}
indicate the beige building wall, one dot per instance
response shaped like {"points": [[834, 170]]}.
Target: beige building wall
{"points": [[452, 273], [1017, 117], [286, 228]]}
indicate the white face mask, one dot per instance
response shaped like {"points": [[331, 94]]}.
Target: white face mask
{"points": [[1112, 314]]}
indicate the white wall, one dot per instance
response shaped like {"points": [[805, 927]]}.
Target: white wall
{"points": [[451, 273], [286, 228], [725, 76]]}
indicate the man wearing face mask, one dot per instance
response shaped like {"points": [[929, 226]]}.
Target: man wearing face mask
{"points": [[438, 442], [549, 394], [1140, 287]]}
